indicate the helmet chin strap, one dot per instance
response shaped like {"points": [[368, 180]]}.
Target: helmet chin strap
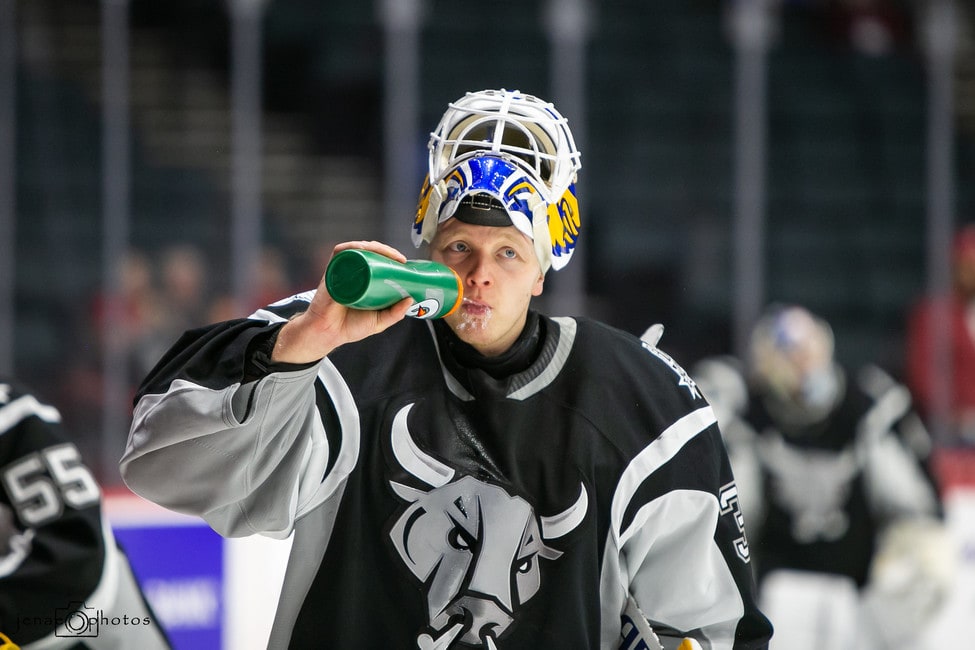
{"points": [[438, 192], [540, 237]]}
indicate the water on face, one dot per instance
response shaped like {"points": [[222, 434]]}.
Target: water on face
{"points": [[473, 322]]}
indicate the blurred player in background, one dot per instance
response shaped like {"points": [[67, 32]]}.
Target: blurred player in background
{"points": [[843, 519], [494, 479], [64, 582], [954, 317]]}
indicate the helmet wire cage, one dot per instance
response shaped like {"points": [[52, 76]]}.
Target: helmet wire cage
{"points": [[511, 122]]}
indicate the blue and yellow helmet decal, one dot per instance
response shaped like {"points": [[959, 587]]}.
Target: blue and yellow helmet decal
{"points": [[552, 223]]}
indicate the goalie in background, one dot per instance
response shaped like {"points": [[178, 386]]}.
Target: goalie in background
{"points": [[843, 519], [64, 582]]}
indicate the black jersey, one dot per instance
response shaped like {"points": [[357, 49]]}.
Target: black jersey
{"points": [[436, 505], [829, 485], [63, 580]]}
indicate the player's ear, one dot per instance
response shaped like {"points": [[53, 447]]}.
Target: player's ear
{"points": [[539, 285]]}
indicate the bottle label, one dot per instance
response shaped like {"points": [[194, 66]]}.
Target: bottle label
{"points": [[429, 308]]}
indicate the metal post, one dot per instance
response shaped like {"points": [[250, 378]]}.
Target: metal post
{"points": [[401, 109], [750, 33], [8, 175], [115, 225], [246, 82], [567, 23], [940, 40]]}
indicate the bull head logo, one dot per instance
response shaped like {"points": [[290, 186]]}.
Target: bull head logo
{"points": [[476, 547]]}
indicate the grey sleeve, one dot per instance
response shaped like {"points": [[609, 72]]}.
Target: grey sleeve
{"points": [[237, 456]]}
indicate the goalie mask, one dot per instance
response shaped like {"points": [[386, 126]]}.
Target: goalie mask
{"points": [[791, 357], [504, 151]]}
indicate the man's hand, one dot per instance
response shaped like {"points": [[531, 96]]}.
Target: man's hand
{"points": [[326, 324]]}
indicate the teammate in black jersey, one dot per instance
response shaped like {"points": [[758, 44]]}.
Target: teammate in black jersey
{"points": [[64, 583], [849, 548], [495, 479]]}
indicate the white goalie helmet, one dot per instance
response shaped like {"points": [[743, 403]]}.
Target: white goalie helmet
{"points": [[503, 121], [791, 355], [492, 130]]}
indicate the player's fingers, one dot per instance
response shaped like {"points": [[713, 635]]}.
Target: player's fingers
{"points": [[394, 314], [374, 246]]}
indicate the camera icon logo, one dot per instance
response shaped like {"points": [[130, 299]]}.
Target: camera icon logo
{"points": [[76, 620]]}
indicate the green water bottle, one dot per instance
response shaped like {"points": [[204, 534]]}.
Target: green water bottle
{"points": [[361, 279]]}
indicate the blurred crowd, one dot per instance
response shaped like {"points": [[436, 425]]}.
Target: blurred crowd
{"points": [[160, 296]]}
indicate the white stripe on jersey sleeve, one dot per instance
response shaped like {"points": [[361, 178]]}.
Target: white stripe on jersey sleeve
{"points": [[265, 314], [658, 452], [22, 408]]}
